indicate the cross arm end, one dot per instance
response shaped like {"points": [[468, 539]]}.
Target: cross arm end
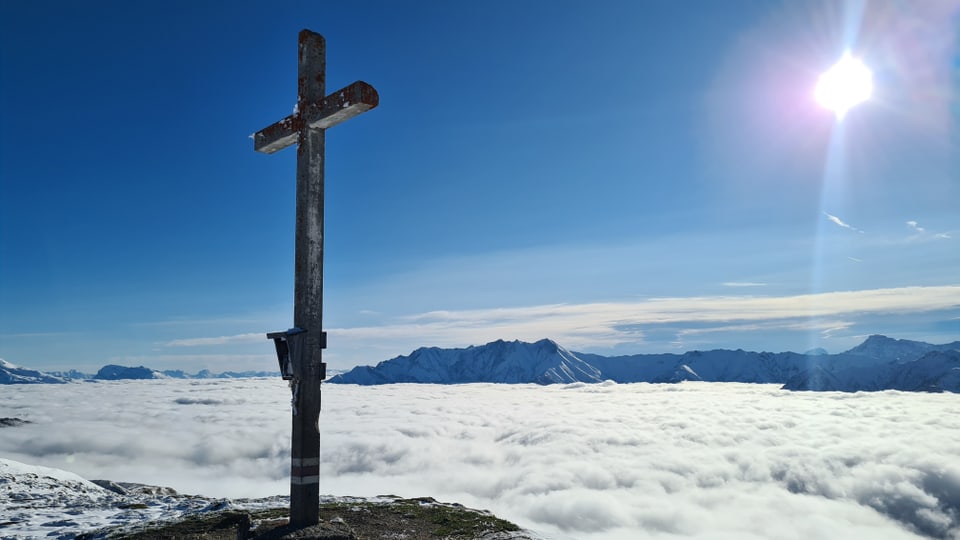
{"points": [[342, 105], [276, 136]]}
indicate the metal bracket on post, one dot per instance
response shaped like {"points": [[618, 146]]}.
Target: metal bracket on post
{"points": [[322, 374], [321, 371], [290, 351], [289, 347], [322, 368]]}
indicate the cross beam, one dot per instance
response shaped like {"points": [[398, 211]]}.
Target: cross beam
{"points": [[306, 127], [339, 106]]}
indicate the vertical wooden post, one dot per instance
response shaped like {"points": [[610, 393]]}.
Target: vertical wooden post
{"points": [[305, 342], [308, 287]]}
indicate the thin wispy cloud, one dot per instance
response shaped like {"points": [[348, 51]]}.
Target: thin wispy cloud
{"points": [[823, 326], [192, 322], [640, 325], [921, 233], [743, 284], [840, 223], [219, 340], [38, 335], [591, 325]]}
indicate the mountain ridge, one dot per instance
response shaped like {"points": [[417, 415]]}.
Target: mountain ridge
{"points": [[13, 374], [879, 363]]}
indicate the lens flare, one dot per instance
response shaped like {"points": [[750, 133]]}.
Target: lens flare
{"points": [[843, 86]]}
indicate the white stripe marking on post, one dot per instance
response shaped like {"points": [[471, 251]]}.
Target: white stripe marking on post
{"points": [[301, 480]]}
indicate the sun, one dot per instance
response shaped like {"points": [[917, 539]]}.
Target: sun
{"points": [[843, 86]]}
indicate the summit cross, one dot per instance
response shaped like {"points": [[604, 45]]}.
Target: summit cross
{"points": [[302, 345]]}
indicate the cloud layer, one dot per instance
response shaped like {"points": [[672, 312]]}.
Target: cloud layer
{"points": [[582, 461], [592, 326], [836, 321]]}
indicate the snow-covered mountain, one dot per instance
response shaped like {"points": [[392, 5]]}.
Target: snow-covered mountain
{"points": [[935, 371], [543, 362], [718, 365], [207, 374], [116, 373], [897, 350], [878, 363], [71, 374], [12, 374]]}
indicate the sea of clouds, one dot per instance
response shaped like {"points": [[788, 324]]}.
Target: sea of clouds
{"points": [[693, 460]]}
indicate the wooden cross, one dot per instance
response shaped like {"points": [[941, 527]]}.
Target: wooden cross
{"points": [[306, 127]]}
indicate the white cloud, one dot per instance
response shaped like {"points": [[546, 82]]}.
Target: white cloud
{"points": [[38, 335], [922, 234], [194, 321], [580, 326], [823, 326], [591, 462], [841, 223], [219, 340], [629, 326]]}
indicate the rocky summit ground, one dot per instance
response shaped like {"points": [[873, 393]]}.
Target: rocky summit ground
{"points": [[38, 502], [346, 519]]}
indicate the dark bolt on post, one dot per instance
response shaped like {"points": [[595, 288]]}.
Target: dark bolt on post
{"points": [[306, 128]]}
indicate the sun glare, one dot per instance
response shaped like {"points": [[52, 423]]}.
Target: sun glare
{"points": [[843, 86]]}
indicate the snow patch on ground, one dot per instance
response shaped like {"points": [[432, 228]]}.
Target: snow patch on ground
{"points": [[40, 501]]}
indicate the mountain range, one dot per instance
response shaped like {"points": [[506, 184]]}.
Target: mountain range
{"points": [[879, 363], [13, 374]]}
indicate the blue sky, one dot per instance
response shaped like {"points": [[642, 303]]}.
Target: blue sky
{"points": [[619, 176]]}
